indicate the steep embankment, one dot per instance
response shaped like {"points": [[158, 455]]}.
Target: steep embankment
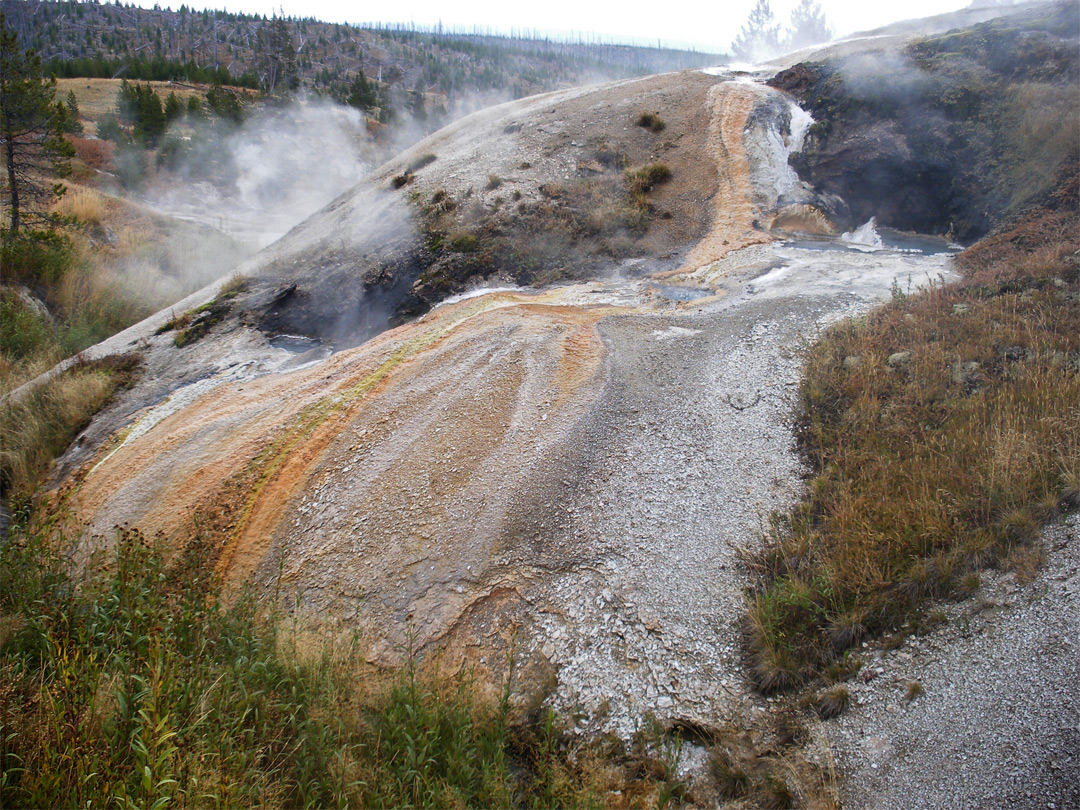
{"points": [[948, 134]]}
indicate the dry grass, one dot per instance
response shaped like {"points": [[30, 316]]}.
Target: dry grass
{"points": [[96, 155], [928, 472], [96, 97], [40, 426], [833, 702], [154, 261], [651, 121], [84, 204], [769, 768]]}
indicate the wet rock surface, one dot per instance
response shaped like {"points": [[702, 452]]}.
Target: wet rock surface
{"points": [[554, 481], [914, 134]]}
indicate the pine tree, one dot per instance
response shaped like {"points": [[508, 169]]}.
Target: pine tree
{"points": [[362, 93], [173, 107], [195, 111], [808, 26], [31, 134], [760, 36], [278, 57], [72, 124]]}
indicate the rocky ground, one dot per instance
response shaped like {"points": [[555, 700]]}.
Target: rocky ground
{"points": [[567, 474], [688, 450], [982, 711]]}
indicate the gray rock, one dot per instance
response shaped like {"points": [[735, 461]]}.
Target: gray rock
{"points": [[964, 373], [898, 359], [852, 362]]}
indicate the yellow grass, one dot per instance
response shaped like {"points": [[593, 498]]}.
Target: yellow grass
{"points": [[82, 203], [96, 97], [38, 428]]}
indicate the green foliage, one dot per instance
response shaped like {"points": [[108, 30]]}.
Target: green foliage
{"points": [[72, 124], [277, 57], [363, 95], [173, 107], [225, 104], [31, 133], [465, 243], [134, 683], [38, 258], [130, 164], [109, 129], [140, 108], [22, 329], [173, 153], [148, 70], [195, 109]]}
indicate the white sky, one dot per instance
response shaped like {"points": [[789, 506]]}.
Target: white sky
{"points": [[676, 23]]}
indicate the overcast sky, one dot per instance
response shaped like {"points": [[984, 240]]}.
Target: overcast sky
{"points": [[677, 23]]}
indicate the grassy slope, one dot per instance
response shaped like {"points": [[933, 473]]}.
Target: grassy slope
{"points": [[942, 430], [134, 683], [929, 467]]}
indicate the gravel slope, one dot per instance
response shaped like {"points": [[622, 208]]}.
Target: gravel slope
{"points": [[998, 722]]}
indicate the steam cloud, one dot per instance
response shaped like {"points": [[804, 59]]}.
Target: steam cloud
{"points": [[284, 163]]}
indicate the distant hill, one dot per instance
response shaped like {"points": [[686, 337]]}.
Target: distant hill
{"points": [[398, 64]]}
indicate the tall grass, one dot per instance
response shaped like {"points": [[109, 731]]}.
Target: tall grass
{"points": [[83, 204], [39, 427], [134, 683], [927, 472]]}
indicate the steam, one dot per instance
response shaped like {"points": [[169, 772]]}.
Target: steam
{"points": [[282, 165], [884, 76], [865, 237]]}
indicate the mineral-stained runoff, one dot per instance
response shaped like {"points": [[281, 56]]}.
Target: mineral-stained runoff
{"points": [[558, 478]]}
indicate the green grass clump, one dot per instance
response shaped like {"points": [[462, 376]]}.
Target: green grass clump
{"points": [[135, 682], [465, 243], [197, 322], [23, 329], [639, 182], [927, 472], [181, 321]]}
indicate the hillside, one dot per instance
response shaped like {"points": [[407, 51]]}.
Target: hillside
{"points": [[616, 409], [411, 73]]}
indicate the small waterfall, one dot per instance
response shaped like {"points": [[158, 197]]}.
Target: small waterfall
{"points": [[801, 122], [865, 237], [777, 130]]}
